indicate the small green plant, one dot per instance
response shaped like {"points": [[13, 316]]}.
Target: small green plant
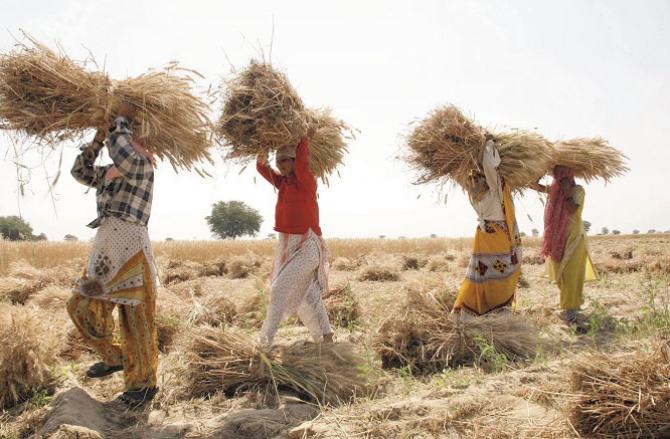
{"points": [[406, 377], [656, 309], [599, 320], [489, 357]]}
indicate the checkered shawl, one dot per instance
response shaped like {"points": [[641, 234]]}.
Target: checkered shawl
{"points": [[127, 197]]}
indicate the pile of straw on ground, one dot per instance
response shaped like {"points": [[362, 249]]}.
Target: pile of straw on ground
{"points": [[342, 306], [625, 395], [590, 158], [447, 145], [229, 361], [28, 350], [427, 337], [52, 98], [262, 112]]}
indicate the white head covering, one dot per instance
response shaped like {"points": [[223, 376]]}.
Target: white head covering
{"points": [[286, 152]]}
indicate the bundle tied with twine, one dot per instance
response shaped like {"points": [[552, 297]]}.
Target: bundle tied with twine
{"points": [[262, 112], [590, 158], [625, 395], [51, 98], [447, 145], [427, 337], [230, 361]]}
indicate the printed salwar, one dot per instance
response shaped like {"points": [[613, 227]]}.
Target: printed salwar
{"points": [[300, 276], [120, 273]]}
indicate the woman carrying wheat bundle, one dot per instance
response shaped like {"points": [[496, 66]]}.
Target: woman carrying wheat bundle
{"points": [[300, 273], [494, 269], [120, 271], [564, 246]]}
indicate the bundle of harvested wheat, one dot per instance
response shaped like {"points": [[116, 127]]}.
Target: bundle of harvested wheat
{"points": [[28, 350], [52, 98], [447, 145], [230, 361], [343, 308], [262, 112], [427, 337], [525, 157], [590, 158], [625, 395]]}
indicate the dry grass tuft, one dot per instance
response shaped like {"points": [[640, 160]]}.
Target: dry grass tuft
{"points": [[52, 98], [344, 264], [181, 271], [240, 267], [262, 112], [590, 158], [427, 337], [28, 350], [624, 395], [214, 310], [229, 361], [343, 308], [379, 274], [52, 297]]}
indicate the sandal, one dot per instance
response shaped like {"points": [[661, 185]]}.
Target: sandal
{"points": [[134, 399], [101, 369]]}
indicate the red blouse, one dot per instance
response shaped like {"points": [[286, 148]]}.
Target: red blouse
{"points": [[297, 208]]}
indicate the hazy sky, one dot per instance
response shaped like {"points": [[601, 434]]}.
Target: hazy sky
{"points": [[569, 69]]}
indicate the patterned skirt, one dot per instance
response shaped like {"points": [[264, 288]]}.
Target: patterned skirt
{"points": [[119, 263], [493, 272]]}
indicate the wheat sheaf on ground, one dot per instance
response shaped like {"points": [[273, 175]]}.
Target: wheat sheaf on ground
{"points": [[28, 351], [428, 338], [624, 395], [231, 362], [50, 98], [263, 112], [446, 145]]}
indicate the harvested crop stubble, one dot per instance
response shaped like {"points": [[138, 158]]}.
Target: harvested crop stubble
{"points": [[51, 98], [230, 361], [262, 112], [428, 338], [446, 145], [590, 158], [28, 350], [343, 308], [624, 395]]}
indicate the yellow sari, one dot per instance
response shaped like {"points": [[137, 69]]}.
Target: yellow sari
{"points": [[575, 267], [495, 265]]}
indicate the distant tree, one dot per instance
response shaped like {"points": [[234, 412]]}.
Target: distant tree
{"points": [[433, 235], [382, 236], [14, 228], [587, 226], [651, 231], [616, 232], [169, 239], [41, 237], [70, 238], [231, 219], [535, 233], [272, 236], [604, 231], [522, 234], [401, 237], [636, 232]]}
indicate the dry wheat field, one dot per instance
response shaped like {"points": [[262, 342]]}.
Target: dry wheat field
{"points": [[400, 366]]}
